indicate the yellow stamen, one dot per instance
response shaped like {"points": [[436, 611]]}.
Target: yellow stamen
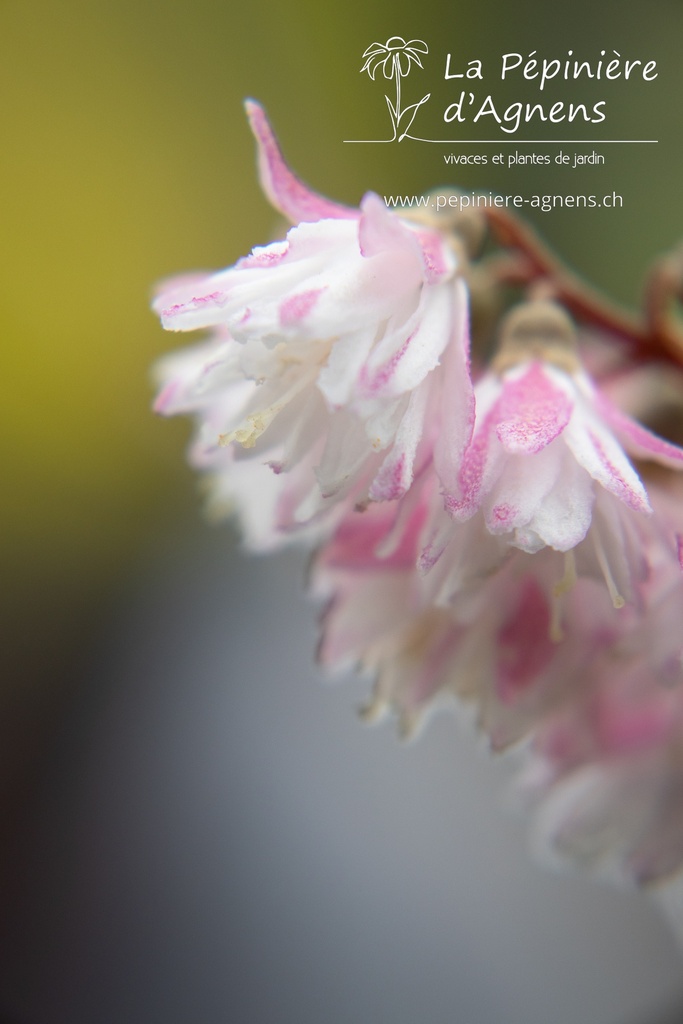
{"points": [[561, 588], [374, 710], [249, 431], [252, 428], [555, 630], [564, 585]]}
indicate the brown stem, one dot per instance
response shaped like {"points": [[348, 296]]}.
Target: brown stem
{"points": [[663, 290], [659, 337]]}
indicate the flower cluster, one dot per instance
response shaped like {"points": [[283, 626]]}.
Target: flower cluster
{"points": [[481, 531]]}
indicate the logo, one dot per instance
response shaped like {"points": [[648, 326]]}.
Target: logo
{"points": [[471, 101], [396, 58]]}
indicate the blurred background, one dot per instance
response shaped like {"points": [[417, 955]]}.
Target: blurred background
{"points": [[193, 826]]}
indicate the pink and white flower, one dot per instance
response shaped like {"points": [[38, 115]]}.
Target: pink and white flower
{"points": [[606, 768], [339, 353], [500, 640], [462, 555], [596, 713], [547, 463]]}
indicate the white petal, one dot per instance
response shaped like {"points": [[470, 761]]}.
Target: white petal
{"points": [[601, 455], [401, 361], [457, 396], [396, 472]]}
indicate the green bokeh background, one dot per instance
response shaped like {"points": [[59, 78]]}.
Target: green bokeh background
{"points": [[126, 158]]}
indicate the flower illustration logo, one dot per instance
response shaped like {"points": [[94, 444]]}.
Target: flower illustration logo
{"points": [[395, 58]]}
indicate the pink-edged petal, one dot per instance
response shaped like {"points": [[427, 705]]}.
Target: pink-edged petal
{"points": [[457, 395], [600, 454], [189, 378], [639, 441], [438, 261], [396, 472], [324, 288], [520, 491], [264, 256], [380, 230], [258, 283], [438, 534], [532, 412], [398, 372], [284, 190], [483, 458], [336, 289], [401, 540], [205, 307], [177, 288]]}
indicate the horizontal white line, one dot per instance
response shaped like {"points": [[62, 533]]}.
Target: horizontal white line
{"points": [[522, 142]]}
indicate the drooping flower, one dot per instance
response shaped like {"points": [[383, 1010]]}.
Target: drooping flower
{"points": [[547, 463], [595, 714], [461, 558], [487, 631], [339, 353], [606, 768]]}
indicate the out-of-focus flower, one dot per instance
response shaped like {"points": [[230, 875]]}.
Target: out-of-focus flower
{"points": [[494, 640], [340, 351], [606, 767], [377, 616], [596, 713], [394, 57]]}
